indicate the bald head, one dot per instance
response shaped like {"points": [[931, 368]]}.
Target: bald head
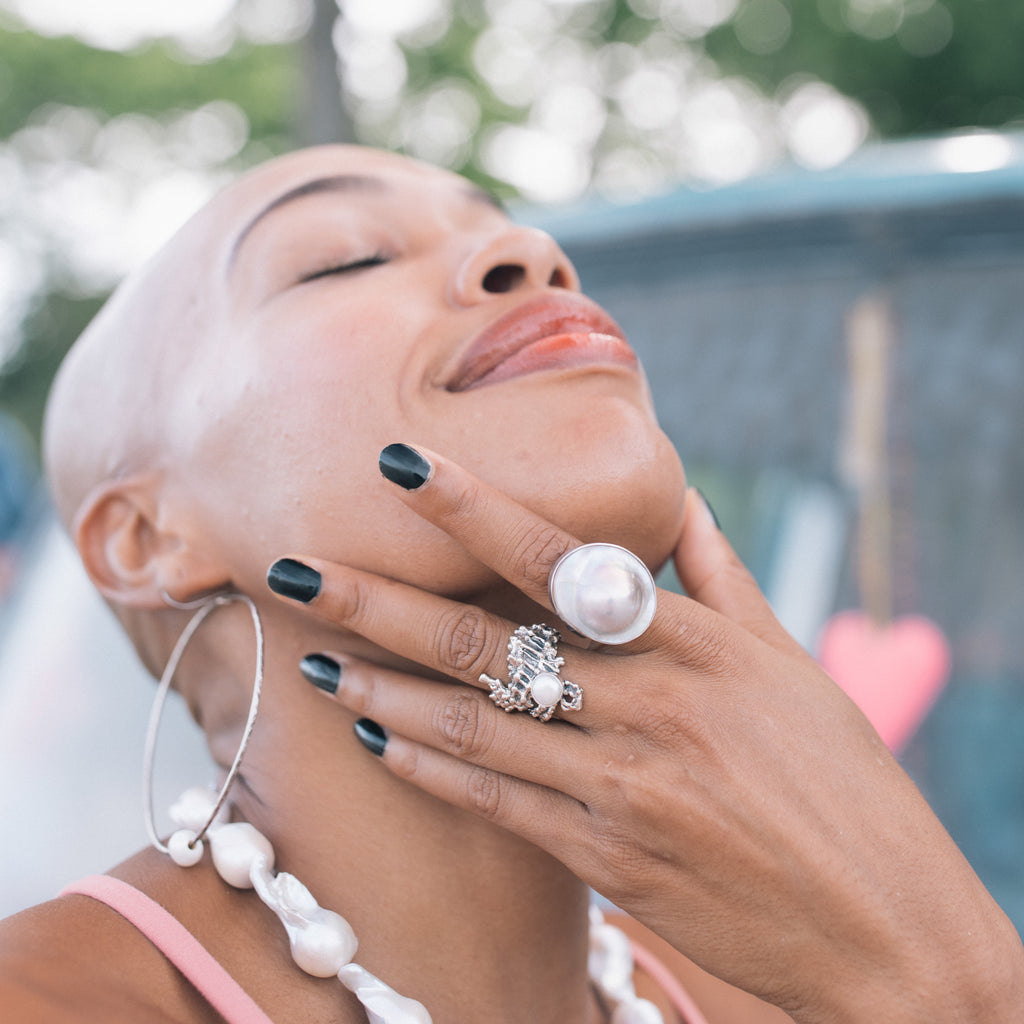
{"points": [[108, 409]]}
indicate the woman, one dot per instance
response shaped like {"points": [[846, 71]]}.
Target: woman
{"points": [[354, 369]]}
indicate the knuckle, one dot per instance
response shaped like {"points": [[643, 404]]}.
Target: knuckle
{"points": [[462, 727], [484, 793], [352, 603], [462, 506], [463, 642], [711, 650], [408, 762], [535, 550]]}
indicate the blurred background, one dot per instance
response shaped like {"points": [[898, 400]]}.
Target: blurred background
{"points": [[807, 214]]}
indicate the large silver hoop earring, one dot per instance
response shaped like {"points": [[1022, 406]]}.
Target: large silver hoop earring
{"points": [[205, 606]]}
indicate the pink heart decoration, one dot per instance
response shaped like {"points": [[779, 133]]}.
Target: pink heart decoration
{"points": [[893, 673]]}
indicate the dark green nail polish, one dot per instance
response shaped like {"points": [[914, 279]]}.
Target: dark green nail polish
{"points": [[711, 511], [293, 579], [404, 466], [371, 735], [321, 671]]}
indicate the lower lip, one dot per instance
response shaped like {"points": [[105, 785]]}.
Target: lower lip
{"points": [[562, 352]]}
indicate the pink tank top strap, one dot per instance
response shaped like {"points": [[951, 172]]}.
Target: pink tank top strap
{"points": [[668, 983], [177, 943]]}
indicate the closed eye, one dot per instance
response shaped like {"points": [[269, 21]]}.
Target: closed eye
{"points": [[344, 268]]}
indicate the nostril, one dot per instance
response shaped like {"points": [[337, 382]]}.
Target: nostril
{"points": [[504, 278], [558, 279]]}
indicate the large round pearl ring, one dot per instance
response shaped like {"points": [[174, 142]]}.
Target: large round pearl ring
{"points": [[603, 592]]}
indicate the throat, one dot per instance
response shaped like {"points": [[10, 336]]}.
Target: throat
{"points": [[475, 923]]}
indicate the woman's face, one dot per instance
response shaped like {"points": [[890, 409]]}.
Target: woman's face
{"points": [[360, 298]]}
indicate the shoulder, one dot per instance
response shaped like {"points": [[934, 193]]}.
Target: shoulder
{"points": [[75, 960], [719, 1002]]}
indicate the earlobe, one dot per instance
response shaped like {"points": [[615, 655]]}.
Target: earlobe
{"points": [[132, 558]]}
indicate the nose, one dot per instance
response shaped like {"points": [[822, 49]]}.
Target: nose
{"points": [[518, 258]]}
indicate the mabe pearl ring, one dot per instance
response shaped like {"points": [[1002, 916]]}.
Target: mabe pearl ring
{"points": [[604, 592], [534, 683]]}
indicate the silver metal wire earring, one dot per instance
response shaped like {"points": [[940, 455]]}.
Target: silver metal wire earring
{"points": [[204, 607]]}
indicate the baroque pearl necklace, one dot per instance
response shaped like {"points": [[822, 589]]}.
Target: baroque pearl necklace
{"points": [[322, 942]]}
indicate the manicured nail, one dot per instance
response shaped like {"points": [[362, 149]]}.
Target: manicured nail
{"points": [[710, 510], [371, 735], [321, 671], [404, 466], [293, 579]]}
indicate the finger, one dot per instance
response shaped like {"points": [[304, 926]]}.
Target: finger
{"points": [[515, 542], [540, 815], [459, 721], [520, 545], [712, 574], [457, 640]]}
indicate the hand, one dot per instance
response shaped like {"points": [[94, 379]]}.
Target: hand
{"points": [[716, 784]]}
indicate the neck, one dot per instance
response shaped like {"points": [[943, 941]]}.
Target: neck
{"points": [[471, 920]]}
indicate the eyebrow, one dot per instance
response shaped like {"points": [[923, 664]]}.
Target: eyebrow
{"points": [[340, 183]]}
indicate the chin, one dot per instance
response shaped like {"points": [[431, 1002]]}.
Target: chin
{"points": [[639, 507], [616, 478]]}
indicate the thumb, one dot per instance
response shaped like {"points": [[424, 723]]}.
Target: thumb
{"points": [[712, 574]]}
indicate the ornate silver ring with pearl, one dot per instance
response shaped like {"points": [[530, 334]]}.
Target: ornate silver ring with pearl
{"points": [[534, 683], [604, 592]]}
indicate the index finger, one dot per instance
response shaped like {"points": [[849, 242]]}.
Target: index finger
{"points": [[517, 543], [520, 545]]}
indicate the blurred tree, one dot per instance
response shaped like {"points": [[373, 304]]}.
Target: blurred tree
{"points": [[631, 95], [539, 98], [916, 65], [322, 117], [86, 126]]}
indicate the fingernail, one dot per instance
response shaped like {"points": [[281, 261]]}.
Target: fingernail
{"points": [[404, 466], [709, 509], [321, 671], [371, 735], [293, 579]]}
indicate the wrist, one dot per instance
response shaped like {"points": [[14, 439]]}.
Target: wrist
{"points": [[980, 983]]}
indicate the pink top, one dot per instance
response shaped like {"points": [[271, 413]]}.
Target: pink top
{"points": [[227, 997]]}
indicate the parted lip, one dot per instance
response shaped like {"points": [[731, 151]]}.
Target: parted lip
{"points": [[529, 322]]}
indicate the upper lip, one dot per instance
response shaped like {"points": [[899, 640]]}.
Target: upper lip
{"points": [[529, 322]]}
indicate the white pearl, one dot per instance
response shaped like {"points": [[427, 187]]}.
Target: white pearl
{"points": [[546, 689], [324, 945], [182, 854], [382, 1003], [236, 847], [193, 808], [604, 592]]}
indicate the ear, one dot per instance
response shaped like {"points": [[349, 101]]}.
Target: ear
{"points": [[129, 552]]}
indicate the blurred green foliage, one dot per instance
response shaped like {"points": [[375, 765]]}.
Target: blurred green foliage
{"points": [[38, 73], [37, 70], [916, 66], [974, 79]]}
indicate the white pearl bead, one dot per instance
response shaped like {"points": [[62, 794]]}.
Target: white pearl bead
{"points": [[604, 592], [324, 945], [236, 847], [193, 808], [382, 1003], [182, 854], [546, 689]]}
